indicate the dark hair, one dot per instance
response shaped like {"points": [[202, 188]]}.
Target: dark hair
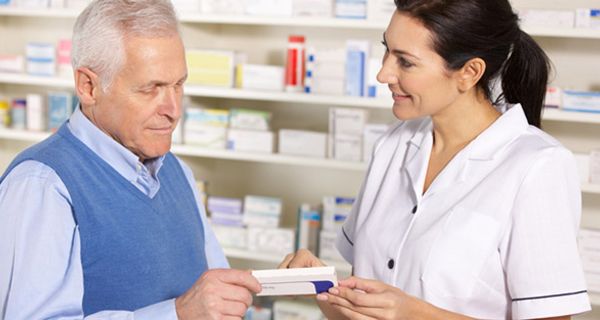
{"points": [[467, 29]]}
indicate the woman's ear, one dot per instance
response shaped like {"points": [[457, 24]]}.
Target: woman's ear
{"points": [[87, 86], [470, 74]]}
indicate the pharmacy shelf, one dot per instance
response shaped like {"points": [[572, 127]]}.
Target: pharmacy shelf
{"points": [[186, 150], [245, 254], [194, 151], [303, 98], [38, 13], [339, 23], [590, 188], [45, 81], [571, 116]]}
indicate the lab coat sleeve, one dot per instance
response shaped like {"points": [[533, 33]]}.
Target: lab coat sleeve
{"points": [[539, 249]]}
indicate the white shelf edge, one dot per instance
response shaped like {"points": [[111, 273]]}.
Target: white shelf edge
{"points": [[590, 188], [340, 23], [577, 33], [570, 116], [10, 11], [216, 92], [275, 158], [193, 151], [254, 95], [245, 254]]}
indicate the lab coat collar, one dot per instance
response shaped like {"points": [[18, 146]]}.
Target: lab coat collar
{"points": [[492, 140], [483, 148]]}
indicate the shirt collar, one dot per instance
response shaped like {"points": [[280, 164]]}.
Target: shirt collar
{"points": [[485, 146], [125, 162]]}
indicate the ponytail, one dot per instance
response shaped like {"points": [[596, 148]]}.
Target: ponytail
{"points": [[525, 77]]}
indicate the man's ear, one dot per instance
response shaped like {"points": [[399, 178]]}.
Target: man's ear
{"points": [[87, 85], [470, 74]]}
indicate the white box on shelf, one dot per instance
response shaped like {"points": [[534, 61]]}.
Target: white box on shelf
{"points": [[249, 119], [261, 204], [585, 101], [211, 67], [594, 176], [313, 8], [36, 114], [347, 121], [335, 211], [357, 60], [375, 89], [295, 281], [553, 97], [260, 77], [227, 7], [347, 147], [307, 228], [587, 18], [57, 4], [59, 109], [372, 133], [225, 205], [231, 237], [547, 18], [261, 220], [327, 248], [41, 59], [302, 143], [380, 10], [250, 141], [77, 4], [12, 63], [227, 219], [281, 8], [353, 9], [205, 136], [272, 240], [37, 4]]}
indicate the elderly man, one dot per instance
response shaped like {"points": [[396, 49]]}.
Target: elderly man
{"points": [[101, 219]]}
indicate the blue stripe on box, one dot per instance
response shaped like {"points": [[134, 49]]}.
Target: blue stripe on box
{"points": [[322, 286]]}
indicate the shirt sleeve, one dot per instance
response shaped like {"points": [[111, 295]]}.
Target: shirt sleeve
{"points": [[41, 276], [539, 249], [214, 252]]}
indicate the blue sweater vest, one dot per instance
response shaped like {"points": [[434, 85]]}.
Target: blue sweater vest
{"points": [[135, 251]]}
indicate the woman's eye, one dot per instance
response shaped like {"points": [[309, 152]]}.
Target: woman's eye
{"points": [[404, 63]]}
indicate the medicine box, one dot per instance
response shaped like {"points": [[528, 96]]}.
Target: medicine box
{"points": [[278, 241], [346, 121], [302, 143], [584, 101], [372, 133], [211, 67], [250, 140], [260, 77], [353, 9], [231, 236], [295, 281], [282, 8], [249, 119]]}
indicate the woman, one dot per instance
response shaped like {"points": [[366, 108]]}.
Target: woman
{"points": [[465, 211]]}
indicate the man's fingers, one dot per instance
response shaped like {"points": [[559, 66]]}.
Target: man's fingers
{"points": [[242, 278], [235, 293], [233, 309], [305, 259], [286, 261]]}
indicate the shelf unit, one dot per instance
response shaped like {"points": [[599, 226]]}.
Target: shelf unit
{"points": [[363, 24], [252, 95]]}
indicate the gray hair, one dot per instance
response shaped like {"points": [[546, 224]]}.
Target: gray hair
{"points": [[100, 31]]}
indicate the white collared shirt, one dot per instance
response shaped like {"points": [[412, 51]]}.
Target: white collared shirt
{"points": [[493, 237]]}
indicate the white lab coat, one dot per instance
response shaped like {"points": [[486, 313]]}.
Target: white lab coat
{"points": [[493, 237]]}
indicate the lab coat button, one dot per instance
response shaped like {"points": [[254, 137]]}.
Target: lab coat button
{"points": [[391, 263], [414, 210]]}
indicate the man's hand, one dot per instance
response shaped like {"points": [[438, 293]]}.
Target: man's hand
{"points": [[218, 294], [300, 259]]}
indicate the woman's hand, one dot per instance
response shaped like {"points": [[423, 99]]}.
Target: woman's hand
{"points": [[300, 259], [357, 298]]}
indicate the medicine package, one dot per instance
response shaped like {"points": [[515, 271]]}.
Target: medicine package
{"points": [[296, 281]]}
